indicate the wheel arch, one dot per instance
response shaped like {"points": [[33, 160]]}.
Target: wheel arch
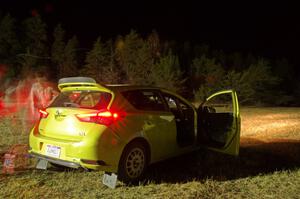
{"points": [[142, 141]]}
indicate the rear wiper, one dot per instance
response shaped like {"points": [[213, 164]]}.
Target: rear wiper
{"points": [[70, 104]]}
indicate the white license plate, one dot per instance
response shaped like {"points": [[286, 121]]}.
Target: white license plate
{"points": [[53, 151]]}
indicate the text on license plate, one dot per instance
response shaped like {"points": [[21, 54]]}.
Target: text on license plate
{"points": [[53, 151]]}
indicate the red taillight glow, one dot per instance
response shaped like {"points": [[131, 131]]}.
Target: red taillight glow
{"points": [[115, 115], [105, 117], [43, 113], [105, 114]]}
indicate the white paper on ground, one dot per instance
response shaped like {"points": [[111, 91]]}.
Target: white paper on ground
{"points": [[110, 180]]}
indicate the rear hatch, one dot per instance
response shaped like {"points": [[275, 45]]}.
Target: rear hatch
{"points": [[62, 119]]}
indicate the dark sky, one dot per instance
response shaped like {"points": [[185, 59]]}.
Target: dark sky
{"points": [[268, 29]]}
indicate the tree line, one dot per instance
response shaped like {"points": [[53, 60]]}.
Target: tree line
{"points": [[195, 71]]}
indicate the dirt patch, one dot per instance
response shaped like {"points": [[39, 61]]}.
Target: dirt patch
{"points": [[271, 123]]}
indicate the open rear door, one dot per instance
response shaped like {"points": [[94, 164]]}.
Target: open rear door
{"points": [[219, 123]]}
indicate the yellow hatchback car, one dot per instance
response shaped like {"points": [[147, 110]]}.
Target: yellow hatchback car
{"points": [[124, 128]]}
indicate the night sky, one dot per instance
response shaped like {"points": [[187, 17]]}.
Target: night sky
{"points": [[268, 29]]}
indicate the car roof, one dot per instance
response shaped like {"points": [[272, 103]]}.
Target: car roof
{"points": [[123, 87]]}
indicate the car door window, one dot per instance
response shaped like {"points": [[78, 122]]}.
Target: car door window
{"points": [[220, 104], [171, 102], [186, 109], [147, 100]]}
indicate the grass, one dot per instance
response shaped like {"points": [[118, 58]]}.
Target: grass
{"points": [[268, 167], [50, 184], [12, 131]]}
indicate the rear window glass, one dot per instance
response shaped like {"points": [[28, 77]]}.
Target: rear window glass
{"points": [[145, 100], [82, 99]]}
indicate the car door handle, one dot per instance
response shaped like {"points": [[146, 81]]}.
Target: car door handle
{"points": [[178, 120]]}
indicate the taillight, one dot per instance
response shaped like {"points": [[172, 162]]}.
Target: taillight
{"points": [[43, 113], [104, 117]]}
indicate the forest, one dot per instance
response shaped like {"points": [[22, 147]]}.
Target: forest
{"points": [[28, 48]]}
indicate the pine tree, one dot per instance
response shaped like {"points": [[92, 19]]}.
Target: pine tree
{"points": [[35, 42], [70, 62], [207, 76], [254, 84], [206, 71], [112, 74], [97, 62], [9, 44], [58, 47], [154, 44], [35, 49], [260, 78], [133, 55], [167, 73]]}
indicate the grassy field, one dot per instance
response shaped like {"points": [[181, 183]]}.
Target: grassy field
{"points": [[268, 167]]}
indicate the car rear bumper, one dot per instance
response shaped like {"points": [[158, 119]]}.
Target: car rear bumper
{"points": [[55, 161], [90, 152]]}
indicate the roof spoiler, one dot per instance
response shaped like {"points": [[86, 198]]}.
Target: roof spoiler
{"points": [[78, 82]]}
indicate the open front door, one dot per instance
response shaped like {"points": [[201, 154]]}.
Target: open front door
{"points": [[219, 123]]}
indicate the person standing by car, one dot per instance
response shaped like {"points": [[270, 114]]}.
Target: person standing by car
{"points": [[41, 94]]}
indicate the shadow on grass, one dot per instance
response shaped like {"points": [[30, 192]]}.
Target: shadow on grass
{"points": [[256, 157]]}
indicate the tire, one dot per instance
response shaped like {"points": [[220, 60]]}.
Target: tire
{"points": [[133, 163]]}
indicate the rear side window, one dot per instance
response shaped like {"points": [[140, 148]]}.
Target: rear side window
{"points": [[145, 100], [82, 99]]}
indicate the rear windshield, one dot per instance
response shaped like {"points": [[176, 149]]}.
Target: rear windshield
{"points": [[82, 99]]}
